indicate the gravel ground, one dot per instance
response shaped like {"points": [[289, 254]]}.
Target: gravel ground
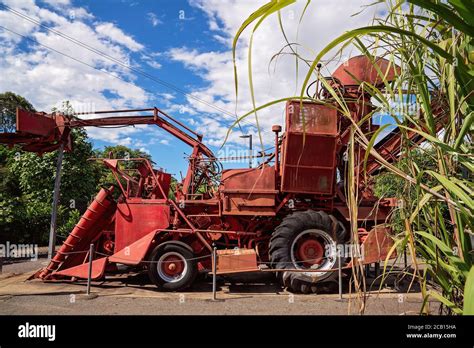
{"points": [[124, 295], [174, 305]]}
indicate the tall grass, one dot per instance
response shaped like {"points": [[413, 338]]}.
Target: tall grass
{"points": [[432, 43]]}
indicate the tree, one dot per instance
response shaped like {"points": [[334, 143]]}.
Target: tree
{"points": [[27, 182], [30, 181], [9, 102], [387, 184]]}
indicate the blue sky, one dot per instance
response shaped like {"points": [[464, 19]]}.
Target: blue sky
{"points": [[170, 29], [183, 43]]}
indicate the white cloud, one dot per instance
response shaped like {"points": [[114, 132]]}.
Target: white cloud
{"points": [[145, 150], [323, 21], [165, 100], [150, 59], [222, 39], [58, 2], [115, 34], [120, 136], [154, 64], [46, 78], [153, 18], [167, 96], [182, 109], [19, 4]]}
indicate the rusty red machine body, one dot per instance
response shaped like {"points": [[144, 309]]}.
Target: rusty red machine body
{"points": [[289, 213]]}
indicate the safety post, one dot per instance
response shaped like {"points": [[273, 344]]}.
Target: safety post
{"points": [[54, 208], [89, 276], [214, 269], [339, 274]]}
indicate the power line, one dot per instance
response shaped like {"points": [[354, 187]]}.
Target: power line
{"points": [[117, 61], [71, 57], [75, 59], [68, 56]]}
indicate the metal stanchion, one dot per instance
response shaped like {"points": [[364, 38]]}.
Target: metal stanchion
{"points": [[54, 209], [214, 269], [89, 276], [340, 275]]}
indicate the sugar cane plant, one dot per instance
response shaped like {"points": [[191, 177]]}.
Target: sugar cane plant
{"points": [[432, 43]]}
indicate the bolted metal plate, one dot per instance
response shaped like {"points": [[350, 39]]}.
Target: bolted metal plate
{"points": [[236, 260], [312, 118], [136, 218], [360, 69], [36, 123], [309, 149]]}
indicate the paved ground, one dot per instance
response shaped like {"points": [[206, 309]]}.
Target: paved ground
{"points": [[132, 294]]}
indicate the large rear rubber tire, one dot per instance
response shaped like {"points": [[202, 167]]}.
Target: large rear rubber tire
{"points": [[173, 267], [296, 239]]}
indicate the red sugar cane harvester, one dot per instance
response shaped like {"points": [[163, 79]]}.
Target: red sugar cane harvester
{"points": [[290, 213]]}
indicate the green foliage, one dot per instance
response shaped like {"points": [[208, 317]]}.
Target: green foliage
{"points": [[36, 174], [436, 68], [12, 213], [431, 42], [121, 151], [469, 294], [27, 182], [388, 185], [70, 220], [173, 188]]}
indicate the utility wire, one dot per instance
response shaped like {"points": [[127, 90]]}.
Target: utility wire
{"points": [[117, 61], [82, 62]]}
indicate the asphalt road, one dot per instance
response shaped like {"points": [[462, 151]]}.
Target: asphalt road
{"points": [[132, 295]]}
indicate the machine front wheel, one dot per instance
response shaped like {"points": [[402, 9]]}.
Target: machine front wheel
{"points": [[172, 267]]}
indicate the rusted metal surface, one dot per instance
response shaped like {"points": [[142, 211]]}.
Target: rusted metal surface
{"points": [[135, 252], [309, 149], [236, 260], [135, 218], [97, 217], [377, 244], [35, 123], [367, 213], [312, 118], [248, 191], [39, 132], [82, 271], [360, 69], [276, 129], [237, 209]]}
